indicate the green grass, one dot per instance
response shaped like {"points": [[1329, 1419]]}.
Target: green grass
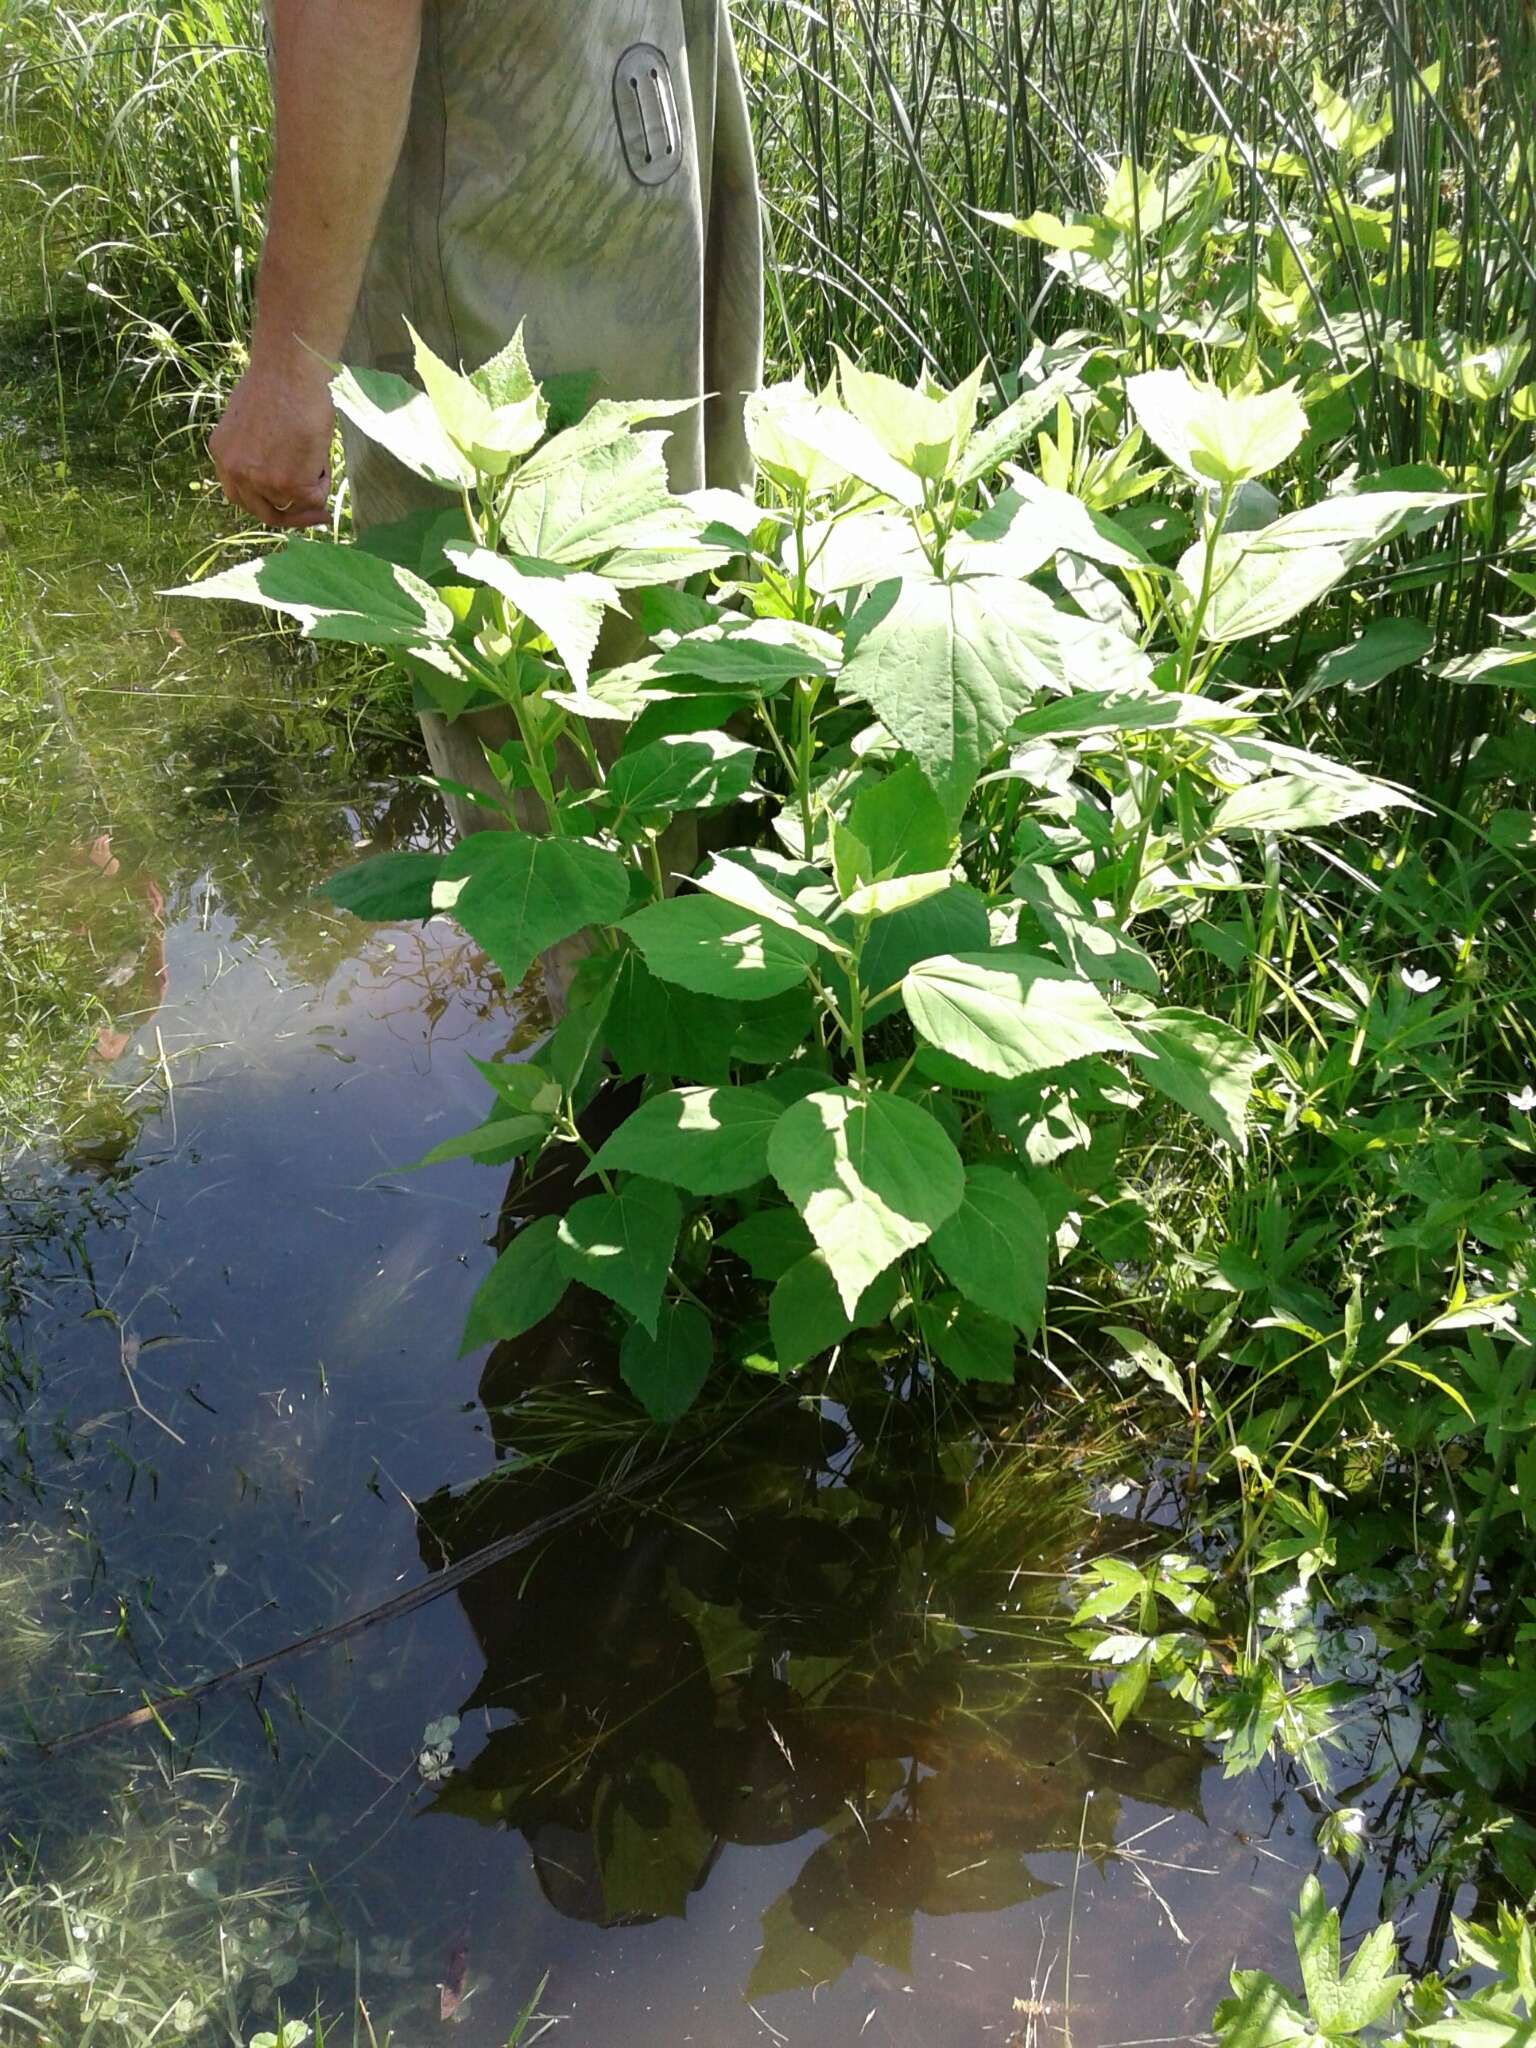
{"points": [[139, 141]]}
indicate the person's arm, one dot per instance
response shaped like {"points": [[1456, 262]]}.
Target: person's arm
{"points": [[343, 71]]}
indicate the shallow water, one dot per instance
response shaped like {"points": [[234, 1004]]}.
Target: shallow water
{"points": [[788, 1746]]}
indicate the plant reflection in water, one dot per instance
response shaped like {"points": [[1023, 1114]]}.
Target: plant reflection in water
{"points": [[844, 1621]]}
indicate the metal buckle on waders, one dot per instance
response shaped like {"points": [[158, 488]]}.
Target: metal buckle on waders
{"points": [[646, 107]]}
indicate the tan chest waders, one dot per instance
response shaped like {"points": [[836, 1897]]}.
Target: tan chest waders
{"points": [[586, 170]]}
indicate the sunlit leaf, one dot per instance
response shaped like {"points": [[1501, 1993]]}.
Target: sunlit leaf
{"points": [[1211, 436], [872, 1175], [710, 1141], [1010, 1013]]}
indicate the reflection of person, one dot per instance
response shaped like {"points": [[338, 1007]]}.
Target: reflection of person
{"points": [[468, 165]]}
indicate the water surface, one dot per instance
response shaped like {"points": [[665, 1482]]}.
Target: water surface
{"points": [[787, 1745]]}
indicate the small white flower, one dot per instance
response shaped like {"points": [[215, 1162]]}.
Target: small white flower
{"points": [[1417, 982], [1525, 1101], [1290, 1606]]}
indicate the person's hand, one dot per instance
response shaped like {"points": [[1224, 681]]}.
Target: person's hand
{"points": [[272, 448]]}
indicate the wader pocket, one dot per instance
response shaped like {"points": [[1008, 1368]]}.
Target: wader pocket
{"points": [[647, 113]]}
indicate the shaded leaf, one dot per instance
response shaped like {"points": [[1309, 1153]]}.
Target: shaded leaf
{"points": [[995, 1246], [522, 1288], [967, 1341], [517, 895], [666, 1371], [387, 888], [621, 1245]]}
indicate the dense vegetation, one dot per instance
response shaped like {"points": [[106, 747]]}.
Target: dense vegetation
{"points": [[1121, 965]]}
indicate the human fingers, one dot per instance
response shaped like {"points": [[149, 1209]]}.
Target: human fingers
{"points": [[278, 505]]}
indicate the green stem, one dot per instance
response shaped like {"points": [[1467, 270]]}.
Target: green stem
{"points": [[806, 692]]}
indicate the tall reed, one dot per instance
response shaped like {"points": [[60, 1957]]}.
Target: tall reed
{"points": [[137, 139]]}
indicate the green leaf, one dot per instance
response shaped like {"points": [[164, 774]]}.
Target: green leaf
{"points": [[1260, 2014], [897, 892], [577, 1040], [1151, 1359], [1091, 945], [954, 922], [505, 378], [1512, 831], [1294, 801], [901, 824], [604, 424], [583, 509], [1029, 525], [396, 416], [696, 771], [1214, 438], [775, 1030], [717, 949], [966, 1341], [1355, 523], [806, 1315], [1088, 711], [1254, 591], [656, 1029], [490, 431], [995, 1246], [919, 431], [756, 654], [567, 605], [1352, 126], [872, 1175], [523, 1287], [1460, 371], [805, 444], [517, 895], [500, 1138], [1480, 2022], [1385, 646], [1000, 436], [337, 593], [621, 1245], [671, 717], [1010, 1013], [1130, 1687], [520, 1084], [665, 1371], [948, 667], [769, 1241], [1362, 1996], [1204, 1065], [711, 1141], [742, 882], [386, 889]]}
